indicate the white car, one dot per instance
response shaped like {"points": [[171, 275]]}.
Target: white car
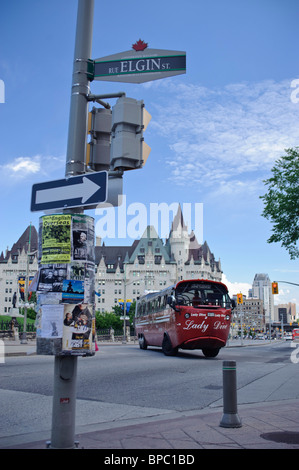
{"points": [[260, 336], [288, 337]]}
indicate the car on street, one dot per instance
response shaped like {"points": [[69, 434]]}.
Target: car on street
{"points": [[260, 336]]}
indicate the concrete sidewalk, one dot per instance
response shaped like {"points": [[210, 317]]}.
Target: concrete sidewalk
{"points": [[266, 425], [16, 348]]}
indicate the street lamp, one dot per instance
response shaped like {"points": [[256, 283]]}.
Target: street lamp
{"points": [[26, 289], [146, 278], [24, 335]]}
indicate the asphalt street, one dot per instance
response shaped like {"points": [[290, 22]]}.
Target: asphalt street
{"points": [[125, 386]]}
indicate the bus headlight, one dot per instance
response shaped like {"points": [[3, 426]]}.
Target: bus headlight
{"points": [[187, 315], [227, 317]]}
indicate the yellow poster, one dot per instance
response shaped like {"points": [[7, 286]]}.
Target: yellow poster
{"points": [[56, 239]]}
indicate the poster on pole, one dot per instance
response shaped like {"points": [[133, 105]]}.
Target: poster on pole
{"points": [[77, 327], [56, 239], [65, 287], [51, 321]]}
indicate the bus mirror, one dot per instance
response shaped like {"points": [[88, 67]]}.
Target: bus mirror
{"points": [[171, 301], [233, 303]]}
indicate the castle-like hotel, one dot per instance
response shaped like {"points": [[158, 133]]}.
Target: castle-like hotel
{"points": [[148, 264]]}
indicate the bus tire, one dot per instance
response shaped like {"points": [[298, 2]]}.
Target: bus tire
{"points": [[210, 352], [167, 348], [142, 342]]}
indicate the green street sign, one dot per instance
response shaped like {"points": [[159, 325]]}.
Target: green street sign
{"points": [[140, 66]]}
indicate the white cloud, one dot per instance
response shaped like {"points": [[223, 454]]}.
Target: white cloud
{"points": [[27, 167], [22, 166], [236, 287], [286, 294], [229, 135]]}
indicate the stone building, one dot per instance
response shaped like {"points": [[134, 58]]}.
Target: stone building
{"points": [[13, 267], [151, 264], [122, 271]]}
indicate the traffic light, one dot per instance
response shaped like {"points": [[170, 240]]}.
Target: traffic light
{"points": [[98, 149], [239, 299], [274, 288], [129, 121]]}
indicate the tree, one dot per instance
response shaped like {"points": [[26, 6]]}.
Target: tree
{"points": [[108, 320], [281, 202]]}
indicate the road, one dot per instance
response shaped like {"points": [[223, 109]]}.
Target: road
{"points": [[124, 383]]}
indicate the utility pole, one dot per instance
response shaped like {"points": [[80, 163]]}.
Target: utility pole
{"points": [[76, 147], [65, 368]]}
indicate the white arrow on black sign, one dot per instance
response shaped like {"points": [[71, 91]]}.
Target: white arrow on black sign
{"points": [[76, 191]]}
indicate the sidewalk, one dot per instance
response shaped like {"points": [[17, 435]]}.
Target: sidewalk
{"points": [[264, 426], [16, 348], [271, 425]]}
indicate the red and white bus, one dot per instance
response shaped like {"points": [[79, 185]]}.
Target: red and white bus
{"points": [[295, 334], [192, 314]]}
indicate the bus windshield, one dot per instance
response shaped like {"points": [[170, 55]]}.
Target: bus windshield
{"points": [[200, 293]]}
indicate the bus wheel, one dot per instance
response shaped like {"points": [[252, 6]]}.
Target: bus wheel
{"points": [[167, 348], [210, 352], [142, 342]]}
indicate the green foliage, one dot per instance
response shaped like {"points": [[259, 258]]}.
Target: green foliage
{"points": [[108, 320], [31, 313], [20, 320], [281, 202], [112, 319]]}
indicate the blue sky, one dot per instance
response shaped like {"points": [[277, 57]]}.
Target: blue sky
{"points": [[215, 132]]}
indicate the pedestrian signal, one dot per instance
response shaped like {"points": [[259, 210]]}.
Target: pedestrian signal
{"points": [[129, 122]]}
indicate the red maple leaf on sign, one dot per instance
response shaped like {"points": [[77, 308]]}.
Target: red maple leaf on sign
{"points": [[140, 45]]}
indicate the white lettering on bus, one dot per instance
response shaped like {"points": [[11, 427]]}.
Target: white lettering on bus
{"points": [[219, 326], [199, 326]]}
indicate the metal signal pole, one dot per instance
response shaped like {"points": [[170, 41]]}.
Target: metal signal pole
{"points": [[65, 368], [76, 147]]}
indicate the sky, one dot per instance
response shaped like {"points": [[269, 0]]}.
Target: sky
{"points": [[215, 131]]}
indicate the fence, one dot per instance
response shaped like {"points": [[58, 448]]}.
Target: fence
{"points": [[6, 325], [102, 334], [7, 332], [115, 335]]}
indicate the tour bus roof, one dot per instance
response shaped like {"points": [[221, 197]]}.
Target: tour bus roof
{"points": [[151, 294], [201, 280]]}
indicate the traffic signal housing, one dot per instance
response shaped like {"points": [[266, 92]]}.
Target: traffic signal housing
{"points": [[274, 287], [98, 149], [129, 121], [239, 299]]}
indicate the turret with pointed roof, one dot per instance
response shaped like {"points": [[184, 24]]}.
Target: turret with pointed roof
{"points": [[22, 244]]}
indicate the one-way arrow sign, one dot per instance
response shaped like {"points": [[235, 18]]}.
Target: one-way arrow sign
{"points": [[77, 191]]}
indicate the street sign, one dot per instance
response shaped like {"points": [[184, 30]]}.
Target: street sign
{"points": [[140, 66], [77, 191]]}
